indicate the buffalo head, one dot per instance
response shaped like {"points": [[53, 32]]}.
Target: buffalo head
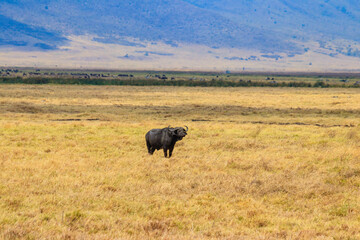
{"points": [[179, 132]]}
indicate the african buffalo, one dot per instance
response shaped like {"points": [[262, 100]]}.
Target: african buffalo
{"points": [[164, 138]]}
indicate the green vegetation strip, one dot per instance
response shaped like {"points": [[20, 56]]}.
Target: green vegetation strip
{"points": [[187, 83]]}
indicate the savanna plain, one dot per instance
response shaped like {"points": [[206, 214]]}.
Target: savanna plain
{"points": [[258, 163]]}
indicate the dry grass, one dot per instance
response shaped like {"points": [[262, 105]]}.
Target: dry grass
{"points": [[240, 174]]}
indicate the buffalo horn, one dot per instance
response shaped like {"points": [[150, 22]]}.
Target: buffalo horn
{"points": [[186, 128]]}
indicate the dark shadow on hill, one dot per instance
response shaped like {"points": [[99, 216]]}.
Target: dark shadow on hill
{"points": [[27, 37]]}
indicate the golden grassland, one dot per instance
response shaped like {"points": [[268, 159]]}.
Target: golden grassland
{"points": [[258, 163]]}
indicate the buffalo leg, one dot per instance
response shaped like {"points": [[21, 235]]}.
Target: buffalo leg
{"points": [[165, 152], [150, 149], [170, 151]]}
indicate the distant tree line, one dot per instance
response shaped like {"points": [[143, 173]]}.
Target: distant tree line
{"points": [[158, 82]]}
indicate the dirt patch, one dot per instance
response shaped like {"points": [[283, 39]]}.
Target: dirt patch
{"points": [[277, 123], [30, 108], [24, 108], [75, 120]]}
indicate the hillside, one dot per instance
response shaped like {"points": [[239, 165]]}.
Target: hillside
{"points": [[312, 19], [240, 31], [170, 21]]}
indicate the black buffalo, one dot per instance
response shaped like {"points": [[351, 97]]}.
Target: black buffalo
{"points": [[164, 138]]}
